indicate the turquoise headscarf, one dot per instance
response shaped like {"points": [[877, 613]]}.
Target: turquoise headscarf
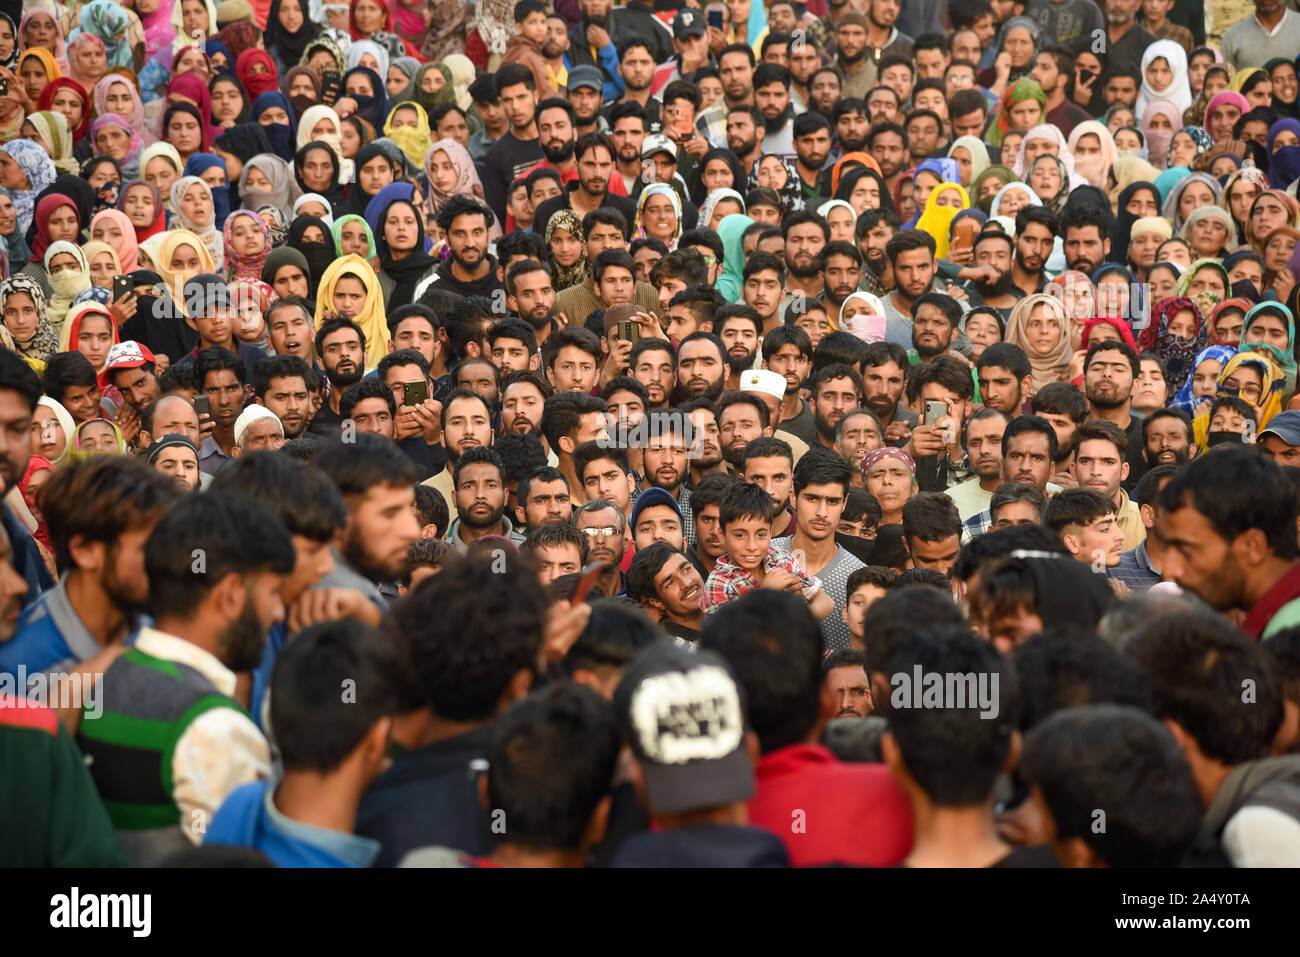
{"points": [[732, 232], [337, 230], [109, 21], [1284, 360]]}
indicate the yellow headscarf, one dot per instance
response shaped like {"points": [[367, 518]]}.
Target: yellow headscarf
{"points": [[1239, 80], [371, 319], [936, 219], [175, 280], [1270, 399], [51, 65], [414, 141], [95, 247]]}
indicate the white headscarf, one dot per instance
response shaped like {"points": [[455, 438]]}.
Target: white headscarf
{"points": [[1048, 132], [1179, 92]]}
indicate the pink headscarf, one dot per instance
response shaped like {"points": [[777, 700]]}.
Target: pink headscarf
{"points": [[1158, 140], [60, 48], [112, 119], [158, 30], [887, 452], [127, 249], [81, 40], [1226, 98], [136, 117]]}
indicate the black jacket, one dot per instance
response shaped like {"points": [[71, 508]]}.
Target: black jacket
{"points": [[556, 203]]}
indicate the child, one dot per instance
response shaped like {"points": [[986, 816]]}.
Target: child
{"points": [[751, 561], [864, 587]]}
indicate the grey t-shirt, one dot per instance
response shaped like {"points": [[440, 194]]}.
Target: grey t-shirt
{"points": [[835, 579]]}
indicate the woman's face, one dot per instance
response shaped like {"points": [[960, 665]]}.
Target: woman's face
{"points": [[1159, 75], [353, 241], [34, 77], [1208, 237], [317, 170], [989, 188], [375, 175], [349, 295], [21, 317], [405, 116], [8, 215], [1013, 201], [1221, 121], [34, 486], [1112, 295], [452, 126], [97, 437], [1278, 252], [1196, 68], [1039, 146], [401, 228], [112, 140], [1011, 141], [841, 223], [320, 61], [922, 186], [370, 17], [444, 173], [63, 224], [1267, 215], [432, 81], [94, 339], [1025, 115], [28, 132], [192, 61], [1285, 138], [1043, 329], [313, 234], [1103, 332], [161, 174], [771, 173], [313, 208], [107, 231], [1206, 281], [1150, 391], [194, 18], [40, 31], [1227, 327], [102, 270], [1160, 122], [906, 200], [1183, 150], [1268, 328], [104, 174], [397, 80], [724, 208], [324, 127], [1248, 270], [1045, 179], [256, 179], [291, 17], [1240, 197], [948, 198], [268, 218], [359, 84], [1194, 194], [91, 61], [659, 217], [1215, 82], [247, 237], [566, 247], [273, 115], [1020, 45], [350, 140], [717, 175], [1205, 380], [1284, 82], [11, 174], [64, 262], [48, 437], [962, 156], [69, 104], [119, 100], [1183, 324], [139, 207], [1142, 204], [710, 91], [183, 133], [1127, 141], [227, 102], [865, 195], [1142, 249], [983, 331], [185, 259], [1260, 94]]}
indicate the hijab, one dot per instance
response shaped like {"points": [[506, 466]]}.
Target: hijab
{"points": [[738, 177], [277, 259], [319, 255], [174, 280], [45, 208], [337, 229], [1185, 400], [936, 219], [65, 423], [1177, 353], [1283, 163], [389, 194], [405, 272], [238, 36], [78, 454], [1121, 229], [1222, 99], [1158, 141], [1283, 359], [200, 163], [308, 121], [53, 129], [15, 248], [305, 198], [129, 164], [373, 109], [239, 266], [1170, 208], [409, 66], [45, 340], [357, 198], [1031, 27], [60, 52], [136, 116], [257, 83], [1272, 380], [1047, 366], [288, 45], [1280, 106], [655, 189], [791, 192], [467, 179], [178, 25], [1178, 92], [718, 195], [996, 206], [979, 154], [1000, 173], [159, 221], [732, 232], [208, 232], [280, 135], [1055, 203], [46, 101], [67, 285], [577, 273], [279, 224], [126, 247], [371, 318], [42, 56], [40, 172], [359, 48], [444, 94], [846, 162], [283, 189], [413, 140], [1022, 89], [331, 195]]}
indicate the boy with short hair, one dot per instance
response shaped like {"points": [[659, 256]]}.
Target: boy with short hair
{"points": [[752, 561], [864, 587], [1087, 523]]}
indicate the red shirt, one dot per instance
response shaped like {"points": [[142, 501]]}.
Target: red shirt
{"points": [[1284, 590], [829, 811]]}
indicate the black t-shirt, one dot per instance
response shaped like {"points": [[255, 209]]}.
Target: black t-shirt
{"points": [[508, 158]]}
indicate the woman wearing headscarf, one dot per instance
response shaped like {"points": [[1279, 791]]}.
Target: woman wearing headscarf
{"points": [[414, 140], [266, 112], [403, 263], [371, 106], [1222, 113], [377, 56], [1282, 73], [1196, 401], [97, 436], [1283, 153], [218, 183], [267, 180], [371, 161], [189, 89], [239, 144], [78, 111], [52, 129], [312, 237], [1273, 387], [856, 188], [980, 190], [1136, 201], [370, 318], [33, 335], [113, 136], [996, 206], [15, 245], [194, 210], [576, 271], [352, 234], [1176, 210], [1205, 290], [288, 31], [247, 243], [1166, 81], [732, 231], [1013, 114], [239, 36], [11, 114], [40, 27], [316, 171], [450, 172], [1020, 38], [1159, 121], [141, 203], [663, 224], [938, 214], [257, 71], [277, 222], [1187, 145], [973, 162], [302, 86], [1038, 326], [1269, 210], [1213, 239], [1050, 180], [181, 257], [112, 226], [718, 169], [1176, 350], [67, 281], [87, 59], [313, 204], [48, 208], [847, 162], [1260, 333], [400, 81], [709, 208], [116, 94], [37, 68], [185, 128], [320, 124], [773, 171]]}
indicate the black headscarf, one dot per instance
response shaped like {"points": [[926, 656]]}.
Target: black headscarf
{"points": [[105, 196], [288, 47], [230, 80], [334, 192], [157, 322], [318, 255], [1119, 232], [358, 199], [738, 177], [373, 109], [245, 141], [849, 179], [406, 272]]}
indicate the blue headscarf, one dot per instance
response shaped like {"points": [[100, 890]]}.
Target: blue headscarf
{"points": [[280, 135], [199, 163], [216, 46], [383, 199], [944, 168], [372, 109], [1184, 400]]}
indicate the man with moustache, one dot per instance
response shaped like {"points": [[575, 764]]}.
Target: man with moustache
{"points": [[701, 366], [812, 144], [884, 376], [855, 67], [1167, 436], [835, 389], [736, 71], [772, 97], [806, 235], [523, 397], [636, 65], [706, 453], [743, 123], [466, 424], [983, 444], [1028, 450], [668, 586], [585, 92], [604, 526], [1036, 231], [856, 434], [480, 499], [594, 187], [997, 288], [851, 123], [341, 346], [471, 270], [741, 329], [627, 131], [742, 417]]}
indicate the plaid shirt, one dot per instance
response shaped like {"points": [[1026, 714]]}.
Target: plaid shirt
{"points": [[728, 581]]}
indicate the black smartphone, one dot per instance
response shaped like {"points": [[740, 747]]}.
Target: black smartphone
{"points": [[715, 17], [628, 329], [330, 80], [121, 288], [202, 406], [414, 393]]}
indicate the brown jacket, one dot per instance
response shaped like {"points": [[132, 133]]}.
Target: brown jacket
{"points": [[521, 50]]}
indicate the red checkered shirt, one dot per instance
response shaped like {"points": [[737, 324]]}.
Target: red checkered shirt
{"points": [[729, 581]]}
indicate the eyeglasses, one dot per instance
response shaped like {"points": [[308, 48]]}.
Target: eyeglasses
{"points": [[601, 531]]}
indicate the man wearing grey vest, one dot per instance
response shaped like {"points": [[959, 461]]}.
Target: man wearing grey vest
{"points": [[165, 739]]}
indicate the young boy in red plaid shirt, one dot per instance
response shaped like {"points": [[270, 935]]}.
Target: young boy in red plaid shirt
{"points": [[751, 560]]}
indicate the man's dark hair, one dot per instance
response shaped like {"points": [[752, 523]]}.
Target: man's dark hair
{"points": [[609, 259], [925, 577], [947, 371], [284, 367], [895, 59], [570, 336], [431, 507], [523, 268], [625, 383], [710, 489], [512, 74], [685, 265], [594, 451], [617, 630], [801, 216], [464, 206], [787, 335], [875, 575], [878, 128], [966, 102], [766, 447], [842, 248], [512, 328], [640, 348], [1059, 398], [1168, 413], [1067, 667], [525, 243], [1216, 486], [1001, 542], [562, 414], [908, 240], [478, 455], [368, 388], [860, 506], [368, 461], [300, 495], [956, 753], [17, 376], [759, 261], [331, 326], [235, 535], [1112, 345], [1197, 665], [63, 371], [768, 73], [1010, 492], [773, 645], [218, 359], [543, 473], [591, 141], [1081, 216], [1030, 423], [1076, 506], [556, 534], [1147, 490], [930, 517], [646, 564], [471, 629], [1101, 430], [1037, 214], [745, 501], [1004, 355], [732, 397], [829, 373], [821, 466], [682, 90], [843, 348], [1119, 758], [737, 310], [315, 727]]}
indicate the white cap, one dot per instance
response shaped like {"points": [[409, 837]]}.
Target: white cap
{"points": [[250, 415], [763, 380], [657, 143]]}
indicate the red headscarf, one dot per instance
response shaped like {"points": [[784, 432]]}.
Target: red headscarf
{"points": [[1119, 325], [44, 210], [36, 464], [411, 49], [190, 86], [46, 101], [255, 84]]}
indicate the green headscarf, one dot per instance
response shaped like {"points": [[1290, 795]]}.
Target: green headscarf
{"points": [[76, 453], [445, 94], [1000, 173], [337, 230], [732, 232], [1285, 360], [1026, 88]]}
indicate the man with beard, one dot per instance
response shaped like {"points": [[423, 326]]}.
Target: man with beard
{"points": [[888, 145], [99, 513], [1084, 238], [531, 296], [884, 376], [221, 378], [653, 363], [554, 46], [874, 229], [1005, 377], [787, 351], [743, 123], [340, 344], [841, 274], [851, 125], [884, 106], [522, 401], [884, 39], [169, 700], [934, 328], [805, 60], [1228, 522], [568, 420], [281, 384], [604, 525], [1036, 230], [594, 186], [812, 144], [984, 453], [1028, 451], [1140, 567], [19, 392], [586, 97], [805, 236], [627, 130], [772, 97], [742, 417], [1167, 437], [856, 68], [835, 390], [466, 424], [636, 66], [740, 329], [513, 342], [471, 270], [518, 150], [668, 586], [824, 88], [1108, 373], [911, 256], [844, 674], [480, 499], [924, 134], [994, 250], [856, 434], [736, 71], [706, 453], [666, 462], [701, 366]]}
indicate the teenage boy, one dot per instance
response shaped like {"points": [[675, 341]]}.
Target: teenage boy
{"points": [[864, 588]]}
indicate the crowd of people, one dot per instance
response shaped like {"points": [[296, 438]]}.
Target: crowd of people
{"points": [[673, 434]]}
